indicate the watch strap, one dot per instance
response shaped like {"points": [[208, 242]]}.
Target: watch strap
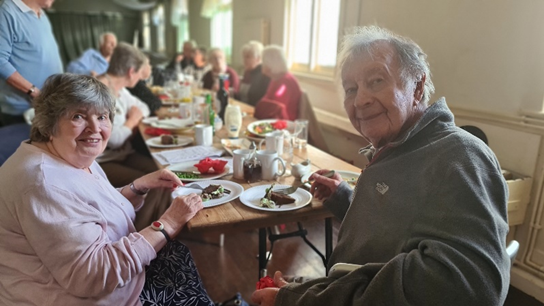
{"points": [[31, 90], [137, 191], [158, 226]]}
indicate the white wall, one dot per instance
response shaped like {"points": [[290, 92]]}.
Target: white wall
{"points": [[486, 55], [247, 10]]}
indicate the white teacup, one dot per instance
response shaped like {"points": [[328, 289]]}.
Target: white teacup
{"points": [[269, 162], [274, 141], [239, 156]]}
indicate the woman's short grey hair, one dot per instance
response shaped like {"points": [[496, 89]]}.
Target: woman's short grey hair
{"points": [[212, 54], [63, 93], [124, 57], [274, 59], [412, 59], [254, 48], [102, 37]]}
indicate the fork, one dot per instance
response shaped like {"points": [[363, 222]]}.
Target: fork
{"points": [[287, 190], [193, 186]]}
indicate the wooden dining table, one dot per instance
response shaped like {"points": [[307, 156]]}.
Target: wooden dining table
{"points": [[235, 216]]}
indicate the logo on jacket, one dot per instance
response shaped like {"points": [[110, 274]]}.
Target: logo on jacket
{"points": [[382, 188]]}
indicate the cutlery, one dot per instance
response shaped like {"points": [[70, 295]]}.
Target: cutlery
{"points": [[196, 186], [326, 174], [287, 190], [193, 186]]}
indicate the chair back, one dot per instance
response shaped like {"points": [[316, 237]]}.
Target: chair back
{"points": [[12, 136], [512, 250], [306, 111]]}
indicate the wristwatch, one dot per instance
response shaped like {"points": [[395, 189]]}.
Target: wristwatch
{"points": [[159, 227], [31, 90]]}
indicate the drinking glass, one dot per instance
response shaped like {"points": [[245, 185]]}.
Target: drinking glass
{"points": [[301, 133]]}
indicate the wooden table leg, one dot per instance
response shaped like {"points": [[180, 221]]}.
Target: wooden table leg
{"points": [[262, 253]]}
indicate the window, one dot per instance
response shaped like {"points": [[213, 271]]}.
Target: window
{"points": [[221, 28], [158, 19], [183, 31], [146, 31], [312, 36]]}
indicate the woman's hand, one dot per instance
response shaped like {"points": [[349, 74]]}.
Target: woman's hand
{"points": [[134, 115], [267, 296], [324, 187], [182, 209], [159, 179]]}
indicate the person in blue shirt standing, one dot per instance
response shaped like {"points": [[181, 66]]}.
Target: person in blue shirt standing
{"points": [[93, 62], [28, 55]]}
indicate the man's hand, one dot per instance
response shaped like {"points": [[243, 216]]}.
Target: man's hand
{"points": [[324, 187], [267, 296]]}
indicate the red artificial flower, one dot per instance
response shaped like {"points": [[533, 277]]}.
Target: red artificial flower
{"points": [[266, 282], [279, 125], [204, 165]]}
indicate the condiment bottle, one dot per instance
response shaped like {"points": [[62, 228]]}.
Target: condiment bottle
{"points": [[252, 166], [233, 120], [222, 96], [212, 112]]}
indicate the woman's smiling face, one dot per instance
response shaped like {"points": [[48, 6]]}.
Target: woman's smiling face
{"points": [[81, 135]]}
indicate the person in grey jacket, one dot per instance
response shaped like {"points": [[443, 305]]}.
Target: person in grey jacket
{"points": [[427, 220]]}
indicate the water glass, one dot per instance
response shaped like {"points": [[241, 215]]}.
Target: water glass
{"points": [[301, 133]]}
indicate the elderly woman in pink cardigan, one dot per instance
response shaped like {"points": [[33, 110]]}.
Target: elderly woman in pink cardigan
{"points": [[282, 97], [67, 233]]}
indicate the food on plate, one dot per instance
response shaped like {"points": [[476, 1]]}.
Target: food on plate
{"points": [[187, 175], [169, 139], [281, 198], [267, 127], [207, 163], [213, 192], [271, 198], [352, 181]]}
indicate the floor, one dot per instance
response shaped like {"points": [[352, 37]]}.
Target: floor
{"points": [[234, 267]]}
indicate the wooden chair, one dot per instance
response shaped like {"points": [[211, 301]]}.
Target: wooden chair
{"points": [[306, 111]]}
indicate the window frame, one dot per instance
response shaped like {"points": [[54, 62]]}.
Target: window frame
{"points": [[226, 6], [312, 67]]}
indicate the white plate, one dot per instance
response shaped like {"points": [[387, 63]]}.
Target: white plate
{"points": [[156, 142], [252, 197], [189, 167], [148, 120], [349, 176], [252, 125], [232, 144], [173, 124], [235, 191]]}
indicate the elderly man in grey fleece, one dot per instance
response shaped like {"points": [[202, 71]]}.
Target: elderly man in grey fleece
{"points": [[427, 220]]}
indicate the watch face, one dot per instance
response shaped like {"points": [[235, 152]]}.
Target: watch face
{"points": [[157, 225]]}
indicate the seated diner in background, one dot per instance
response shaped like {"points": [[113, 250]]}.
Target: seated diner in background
{"points": [[67, 233], [216, 58], [120, 162], [427, 221], [283, 94], [185, 58], [200, 67], [93, 62], [254, 84], [143, 92]]}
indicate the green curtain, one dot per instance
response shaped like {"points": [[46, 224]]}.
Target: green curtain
{"points": [[76, 32]]}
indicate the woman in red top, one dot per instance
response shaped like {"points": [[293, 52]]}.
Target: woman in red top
{"points": [[282, 97]]}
